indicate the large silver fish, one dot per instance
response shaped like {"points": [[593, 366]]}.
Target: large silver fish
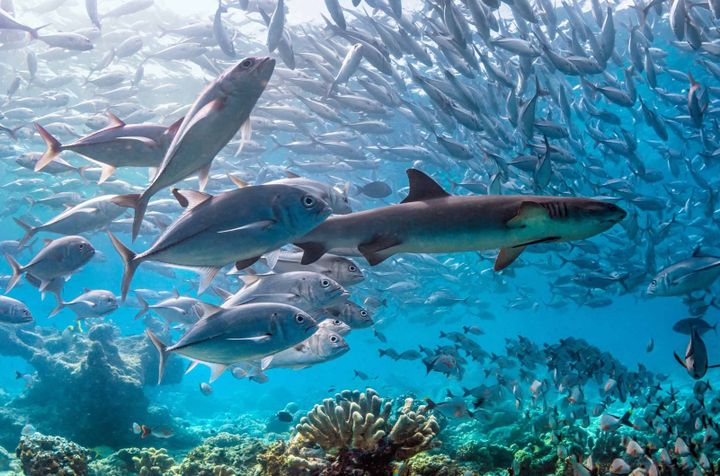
{"points": [[240, 333]]}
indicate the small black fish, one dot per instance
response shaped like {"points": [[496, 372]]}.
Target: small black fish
{"points": [[285, 416], [376, 189]]}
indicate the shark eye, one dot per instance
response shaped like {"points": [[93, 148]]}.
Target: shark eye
{"points": [[247, 63], [325, 283], [299, 318]]}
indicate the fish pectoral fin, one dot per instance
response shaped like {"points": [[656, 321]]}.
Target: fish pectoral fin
{"points": [[189, 199], [206, 277], [87, 303], [203, 176], [312, 251], [106, 173], [258, 225], [192, 365], [713, 366], [265, 362], [680, 361], [372, 249], [244, 263], [506, 256], [528, 212], [204, 112], [258, 339], [215, 370], [269, 297]]}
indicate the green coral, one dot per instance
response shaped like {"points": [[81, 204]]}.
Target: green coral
{"points": [[225, 454]]}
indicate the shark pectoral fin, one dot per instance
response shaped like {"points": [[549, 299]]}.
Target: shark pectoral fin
{"points": [[190, 198], [312, 251], [713, 366], [506, 257], [206, 277], [372, 249], [271, 258], [107, 172], [244, 263], [203, 176], [680, 361], [528, 212]]}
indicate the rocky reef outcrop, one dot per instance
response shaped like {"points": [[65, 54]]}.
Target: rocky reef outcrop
{"points": [[42, 455], [87, 387]]}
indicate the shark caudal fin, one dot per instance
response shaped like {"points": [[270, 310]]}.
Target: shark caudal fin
{"points": [[131, 264], [53, 148], [138, 203], [162, 351]]}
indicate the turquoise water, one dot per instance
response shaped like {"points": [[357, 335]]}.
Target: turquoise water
{"points": [[413, 297]]}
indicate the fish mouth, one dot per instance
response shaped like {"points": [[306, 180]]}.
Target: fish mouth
{"points": [[312, 327], [265, 69]]}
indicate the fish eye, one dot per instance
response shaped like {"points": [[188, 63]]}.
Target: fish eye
{"points": [[308, 201], [299, 318], [653, 282], [352, 268], [324, 283], [337, 322], [247, 63], [333, 339], [82, 245], [363, 313]]}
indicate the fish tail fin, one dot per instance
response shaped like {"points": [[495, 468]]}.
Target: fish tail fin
{"points": [[16, 272], [162, 351], [382, 352], [143, 308], [139, 203], [625, 419], [13, 132], [130, 262], [18, 375], [53, 148], [58, 307], [29, 231], [34, 31]]}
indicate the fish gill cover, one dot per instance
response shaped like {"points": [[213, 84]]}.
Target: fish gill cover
{"points": [[428, 237]]}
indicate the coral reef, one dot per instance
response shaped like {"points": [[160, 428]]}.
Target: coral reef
{"points": [[88, 387], [140, 461], [42, 455], [223, 455], [356, 434]]}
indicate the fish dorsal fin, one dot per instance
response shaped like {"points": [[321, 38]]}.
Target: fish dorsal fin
{"points": [[697, 252], [291, 174], [422, 187], [114, 120], [173, 128], [190, 198]]}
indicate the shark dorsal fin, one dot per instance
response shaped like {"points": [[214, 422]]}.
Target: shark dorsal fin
{"points": [[422, 187]]}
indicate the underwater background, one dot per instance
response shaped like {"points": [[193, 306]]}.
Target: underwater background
{"points": [[546, 352]]}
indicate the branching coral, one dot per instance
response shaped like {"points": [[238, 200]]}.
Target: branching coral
{"points": [[361, 430]]}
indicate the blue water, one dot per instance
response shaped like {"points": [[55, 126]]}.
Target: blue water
{"points": [[516, 300]]}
